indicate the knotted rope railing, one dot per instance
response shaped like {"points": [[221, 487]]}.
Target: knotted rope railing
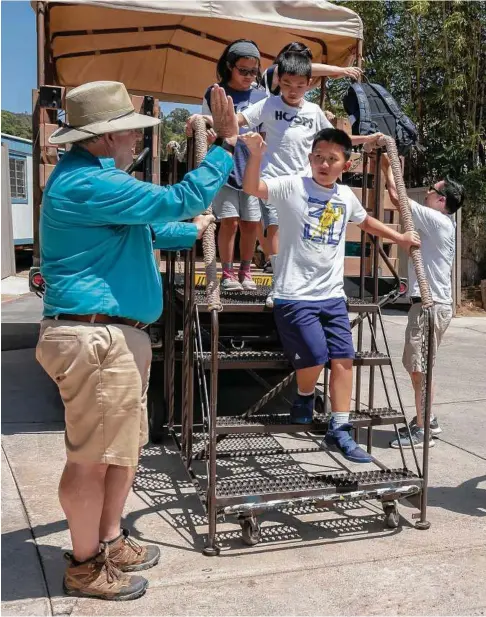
{"points": [[406, 216], [208, 239]]}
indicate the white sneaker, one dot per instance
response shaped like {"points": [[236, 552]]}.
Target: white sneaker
{"points": [[246, 281], [231, 283], [269, 300]]}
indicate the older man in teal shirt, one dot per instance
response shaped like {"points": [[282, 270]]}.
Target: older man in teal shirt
{"points": [[98, 229]]}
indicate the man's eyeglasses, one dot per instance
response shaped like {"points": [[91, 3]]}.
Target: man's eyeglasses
{"points": [[247, 72], [438, 191]]}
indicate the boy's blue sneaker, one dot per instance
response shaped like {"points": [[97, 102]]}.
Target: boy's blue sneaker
{"points": [[340, 439], [302, 410]]}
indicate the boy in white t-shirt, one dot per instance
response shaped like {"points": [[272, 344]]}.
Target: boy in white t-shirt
{"points": [[437, 232], [290, 124], [309, 300]]}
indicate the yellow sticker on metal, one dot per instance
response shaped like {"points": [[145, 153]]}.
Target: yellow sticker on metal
{"points": [[260, 279]]}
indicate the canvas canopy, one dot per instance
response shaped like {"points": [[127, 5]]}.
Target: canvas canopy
{"points": [[169, 48]]}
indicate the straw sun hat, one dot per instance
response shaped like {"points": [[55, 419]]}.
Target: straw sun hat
{"points": [[97, 108]]}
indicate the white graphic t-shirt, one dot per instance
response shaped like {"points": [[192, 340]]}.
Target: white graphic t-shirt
{"points": [[289, 131], [437, 232], [313, 219]]}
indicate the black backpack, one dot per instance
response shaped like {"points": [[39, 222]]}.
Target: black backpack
{"points": [[372, 108]]}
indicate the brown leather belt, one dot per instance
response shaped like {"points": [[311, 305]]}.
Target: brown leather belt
{"points": [[100, 318]]}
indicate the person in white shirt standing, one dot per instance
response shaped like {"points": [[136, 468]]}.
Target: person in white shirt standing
{"points": [[437, 231], [309, 301], [290, 123]]}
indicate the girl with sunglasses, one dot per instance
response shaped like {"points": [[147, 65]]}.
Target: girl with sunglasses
{"points": [[237, 70]]}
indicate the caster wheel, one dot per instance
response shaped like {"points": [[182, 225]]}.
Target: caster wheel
{"points": [[392, 517], [211, 551], [423, 526], [250, 530]]}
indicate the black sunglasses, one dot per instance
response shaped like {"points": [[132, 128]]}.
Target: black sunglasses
{"points": [[438, 191], [246, 72]]}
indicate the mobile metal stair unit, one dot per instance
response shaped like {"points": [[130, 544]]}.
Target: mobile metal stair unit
{"points": [[172, 56], [215, 338]]}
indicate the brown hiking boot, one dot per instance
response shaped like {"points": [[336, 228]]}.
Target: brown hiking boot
{"points": [[99, 578], [129, 556]]}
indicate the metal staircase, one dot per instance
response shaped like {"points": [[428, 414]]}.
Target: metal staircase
{"points": [[243, 337]]}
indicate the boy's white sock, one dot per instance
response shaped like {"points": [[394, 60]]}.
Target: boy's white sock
{"points": [[305, 393], [340, 418]]}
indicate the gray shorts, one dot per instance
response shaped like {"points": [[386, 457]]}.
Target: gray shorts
{"points": [[231, 203], [269, 215], [412, 351]]}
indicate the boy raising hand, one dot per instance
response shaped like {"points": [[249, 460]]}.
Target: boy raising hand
{"points": [[309, 300]]}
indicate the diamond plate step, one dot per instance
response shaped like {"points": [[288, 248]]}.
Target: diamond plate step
{"points": [[247, 359], [237, 447], [254, 301], [233, 301], [251, 489], [280, 423], [277, 359], [369, 358], [357, 305]]}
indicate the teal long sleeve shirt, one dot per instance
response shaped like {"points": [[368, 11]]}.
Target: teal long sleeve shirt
{"points": [[95, 237]]}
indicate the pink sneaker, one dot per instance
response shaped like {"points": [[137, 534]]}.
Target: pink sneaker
{"points": [[229, 282], [247, 283]]}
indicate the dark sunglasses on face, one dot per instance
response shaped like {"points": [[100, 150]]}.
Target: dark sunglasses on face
{"points": [[438, 191], [246, 72]]}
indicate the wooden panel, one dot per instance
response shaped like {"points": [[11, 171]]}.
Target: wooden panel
{"points": [[351, 266], [137, 102], [343, 124], [353, 233], [393, 250], [46, 130], [357, 164], [44, 172], [387, 204], [384, 271]]}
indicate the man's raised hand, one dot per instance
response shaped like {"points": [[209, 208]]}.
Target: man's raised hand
{"points": [[225, 122]]}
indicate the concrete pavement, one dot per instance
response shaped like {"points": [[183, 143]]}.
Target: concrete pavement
{"points": [[319, 561]]}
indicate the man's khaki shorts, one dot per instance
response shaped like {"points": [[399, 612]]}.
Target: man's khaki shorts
{"points": [[102, 372], [412, 351]]}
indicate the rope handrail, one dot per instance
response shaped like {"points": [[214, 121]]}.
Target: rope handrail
{"points": [[407, 220], [208, 239]]}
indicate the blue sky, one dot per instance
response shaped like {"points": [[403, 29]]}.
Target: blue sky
{"points": [[19, 72]]}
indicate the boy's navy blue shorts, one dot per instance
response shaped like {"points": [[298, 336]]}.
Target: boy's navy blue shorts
{"points": [[314, 332]]}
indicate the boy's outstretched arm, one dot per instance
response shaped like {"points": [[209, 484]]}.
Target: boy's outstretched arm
{"points": [[252, 184], [329, 70], [358, 140], [377, 228]]}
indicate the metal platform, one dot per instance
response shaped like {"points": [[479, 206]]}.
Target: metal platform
{"points": [[247, 301], [228, 360]]}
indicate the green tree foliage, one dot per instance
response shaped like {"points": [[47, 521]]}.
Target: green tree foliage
{"points": [[173, 128], [19, 125]]}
